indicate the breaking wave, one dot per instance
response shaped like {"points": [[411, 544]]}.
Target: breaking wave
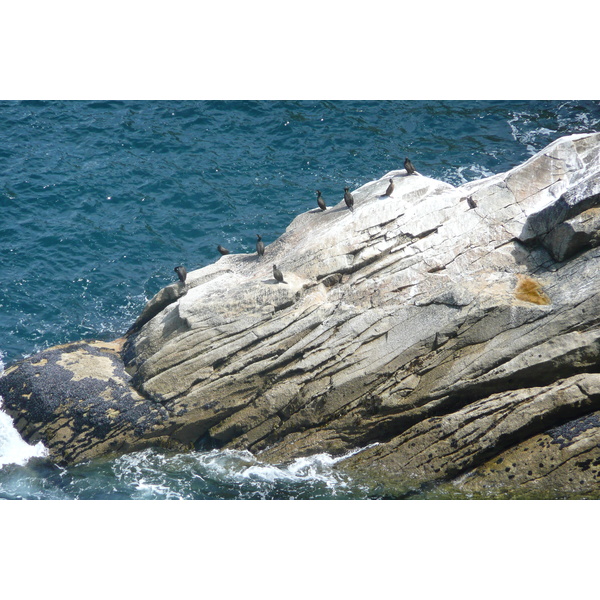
{"points": [[232, 474], [13, 449]]}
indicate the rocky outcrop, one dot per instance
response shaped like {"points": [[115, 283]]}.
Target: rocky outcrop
{"points": [[523, 421], [76, 398], [451, 326]]}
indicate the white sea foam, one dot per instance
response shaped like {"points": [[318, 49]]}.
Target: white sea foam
{"points": [[13, 449], [520, 133], [317, 467], [459, 175], [153, 474], [580, 122]]}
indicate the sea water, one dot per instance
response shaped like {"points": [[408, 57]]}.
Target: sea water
{"points": [[99, 201]]}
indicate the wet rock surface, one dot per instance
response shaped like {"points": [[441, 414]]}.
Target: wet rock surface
{"points": [[460, 323]]}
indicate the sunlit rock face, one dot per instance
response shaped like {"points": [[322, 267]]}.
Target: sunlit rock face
{"points": [[449, 324]]}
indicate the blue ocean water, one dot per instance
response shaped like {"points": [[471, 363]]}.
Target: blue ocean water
{"points": [[100, 200]]}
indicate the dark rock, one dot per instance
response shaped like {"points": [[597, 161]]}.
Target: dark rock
{"points": [[77, 400]]}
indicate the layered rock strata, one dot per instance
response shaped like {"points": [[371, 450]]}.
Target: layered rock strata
{"points": [[452, 326]]}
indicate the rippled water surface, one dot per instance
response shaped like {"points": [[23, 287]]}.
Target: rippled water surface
{"points": [[100, 200]]}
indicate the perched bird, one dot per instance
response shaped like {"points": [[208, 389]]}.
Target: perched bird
{"points": [[349, 199], [278, 275], [410, 169], [181, 273], [222, 250], [390, 188], [471, 202], [260, 247], [320, 201]]}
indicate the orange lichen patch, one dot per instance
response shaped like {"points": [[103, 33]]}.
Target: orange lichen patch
{"points": [[529, 290]]}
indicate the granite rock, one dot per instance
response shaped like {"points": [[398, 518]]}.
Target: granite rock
{"points": [[436, 307]]}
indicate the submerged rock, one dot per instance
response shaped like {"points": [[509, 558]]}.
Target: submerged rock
{"points": [[451, 332]]}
